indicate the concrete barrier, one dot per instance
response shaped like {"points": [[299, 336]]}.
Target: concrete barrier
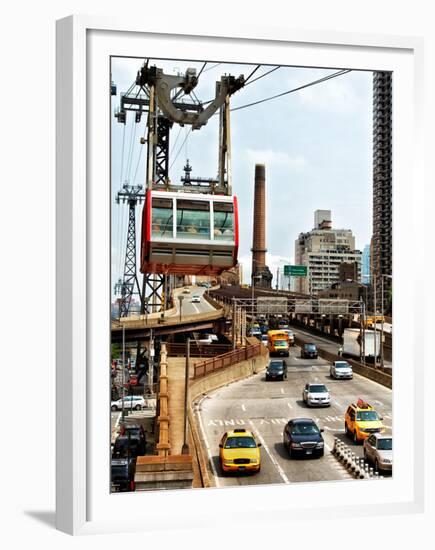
{"points": [[226, 375], [212, 382], [368, 372], [159, 472]]}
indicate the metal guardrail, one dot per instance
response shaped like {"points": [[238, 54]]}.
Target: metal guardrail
{"points": [[197, 349], [227, 359]]}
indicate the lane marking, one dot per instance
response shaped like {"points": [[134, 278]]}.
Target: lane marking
{"points": [[243, 408], [282, 390], [207, 446], [289, 405], [272, 458]]}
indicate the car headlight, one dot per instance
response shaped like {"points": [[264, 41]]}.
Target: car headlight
{"points": [[296, 445], [254, 461], [228, 462], [386, 461], [320, 445]]}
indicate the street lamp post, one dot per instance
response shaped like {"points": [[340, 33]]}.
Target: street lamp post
{"points": [[185, 447], [180, 298], [123, 373], [146, 310], [382, 321]]}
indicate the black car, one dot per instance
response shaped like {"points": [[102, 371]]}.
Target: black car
{"points": [[276, 370], [302, 437], [126, 447], [135, 432], [309, 351], [122, 475]]}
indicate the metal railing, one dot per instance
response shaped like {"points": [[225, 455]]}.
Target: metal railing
{"points": [[227, 359], [197, 349]]}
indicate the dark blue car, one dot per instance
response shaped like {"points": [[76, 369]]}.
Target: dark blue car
{"points": [[302, 437]]}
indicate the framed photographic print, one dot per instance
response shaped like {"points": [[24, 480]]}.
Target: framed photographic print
{"points": [[234, 217]]}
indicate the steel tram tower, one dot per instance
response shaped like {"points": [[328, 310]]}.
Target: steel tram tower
{"points": [[132, 195], [159, 96]]}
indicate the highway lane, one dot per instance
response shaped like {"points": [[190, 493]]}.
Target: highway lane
{"points": [[188, 307], [329, 345], [265, 407]]}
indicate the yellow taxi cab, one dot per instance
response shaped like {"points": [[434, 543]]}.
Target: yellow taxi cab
{"points": [[361, 420], [239, 452]]}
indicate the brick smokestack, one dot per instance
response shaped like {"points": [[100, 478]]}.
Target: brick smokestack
{"points": [[259, 250]]}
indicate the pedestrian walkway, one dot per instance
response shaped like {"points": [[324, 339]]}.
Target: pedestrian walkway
{"points": [[175, 371]]}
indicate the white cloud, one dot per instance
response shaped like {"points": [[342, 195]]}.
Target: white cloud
{"points": [[275, 158], [337, 94]]}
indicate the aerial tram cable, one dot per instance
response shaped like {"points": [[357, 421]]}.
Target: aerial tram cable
{"points": [[262, 75], [130, 155], [122, 156], [142, 143], [203, 67], [181, 148], [176, 141], [212, 67], [323, 79], [254, 71]]}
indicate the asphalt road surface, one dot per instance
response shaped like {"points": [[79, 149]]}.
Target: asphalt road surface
{"points": [[188, 307], [324, 343], [265, 408]]}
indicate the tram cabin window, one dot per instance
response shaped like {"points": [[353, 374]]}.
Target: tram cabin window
{"points": [[193, 219], [162, 217], [223, 221]]}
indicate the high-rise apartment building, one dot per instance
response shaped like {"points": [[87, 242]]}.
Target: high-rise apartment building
{"points": [[382, 180], [322, 250]]}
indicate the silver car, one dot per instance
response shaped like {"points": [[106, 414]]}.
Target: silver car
{"points": [[378, 449], [316, 395], [341, 370], [136, 402]]}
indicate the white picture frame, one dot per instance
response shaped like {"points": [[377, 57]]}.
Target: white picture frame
{"points": [[84, 46]]}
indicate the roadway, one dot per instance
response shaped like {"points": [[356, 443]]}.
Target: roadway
{"points": [[325, 343], [188, 307], [265, 407]]}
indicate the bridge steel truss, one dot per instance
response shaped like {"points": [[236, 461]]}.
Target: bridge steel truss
{"points": [[306, 306], [241, 308]]}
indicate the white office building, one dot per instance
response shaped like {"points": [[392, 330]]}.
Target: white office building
{"points": [[322, 250]]}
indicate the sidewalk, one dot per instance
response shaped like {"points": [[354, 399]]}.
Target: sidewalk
{"points": [[175, 371], [176, 368]]}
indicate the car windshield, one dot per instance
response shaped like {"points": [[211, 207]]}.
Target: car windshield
{"points": [[342, 365], [275, 366], [310, 347], [367, 416], [280, 343], [133, 432], [119, 471], [320, 388], [240, 443], [385, 444], [305, 429]]}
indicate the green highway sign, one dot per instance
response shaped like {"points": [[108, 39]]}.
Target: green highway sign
{"points": [[295, 270]]}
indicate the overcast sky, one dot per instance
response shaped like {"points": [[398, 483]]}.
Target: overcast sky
{"points": [[316, 144]]}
